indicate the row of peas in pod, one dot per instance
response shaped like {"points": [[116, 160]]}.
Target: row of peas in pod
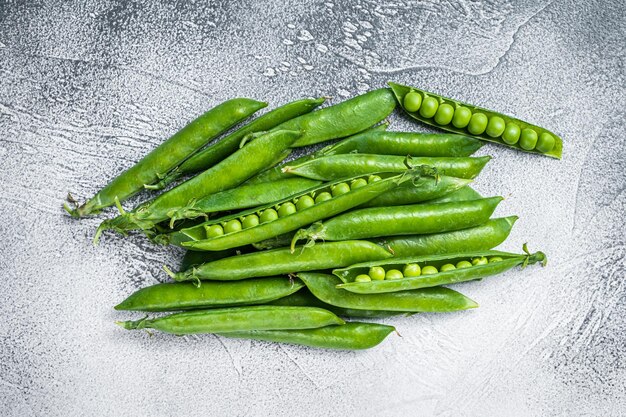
{"points": [[304, 251]]}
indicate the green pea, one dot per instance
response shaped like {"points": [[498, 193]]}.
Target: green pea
{"points": [[528, 139], [495, 127], [477, 124], [480, 261], [286, 209], [373, 178], [462, 117], [429, 107], [412, 270], [268, 215], [377, 273], [429, 270], [447, 267], [232, 226], [214, 230], [495, 259], [444, 114], [393, 274], [511, 133], [339, 189], [304, 202], [325, 196], [361, 182], [545, 143], [250, 220], [463, 264], [412, 101], [363, 278]]}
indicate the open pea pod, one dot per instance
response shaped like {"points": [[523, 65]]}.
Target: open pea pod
{"points": [[430, 271], [467, 119]]}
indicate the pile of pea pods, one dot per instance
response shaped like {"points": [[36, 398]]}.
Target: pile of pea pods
{"points": [[375, 224]]}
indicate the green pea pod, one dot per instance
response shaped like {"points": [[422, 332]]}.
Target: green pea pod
{"points": [[285, 261], [331, 167], [244, 196], [426, 300], [213, 154], [193, 258], [169, 154], [235, 319], [404, 143], [458, 117], [401, 220], [186, 296], [466, 193], [229, 173], [445, 272], [483, 237], [350, 336]]}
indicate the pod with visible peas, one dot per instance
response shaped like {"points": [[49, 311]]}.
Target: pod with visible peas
{"points": [[186, 296], [152, 167], [479, 122], [327, 168], [434, 270], [285, 261], [235, 319], [349, 336], [229, 173], [427, 300], [401, 220]]}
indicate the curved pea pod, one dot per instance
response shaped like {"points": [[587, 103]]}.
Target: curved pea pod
{"points": [[349, 336], [327, 168], [342, 119], [466, 193], [229, 173], [169, 154], [404, 143], [484, 237], [284, 261], [401, 220], [186, 296], [213, 154], [236, 319], [242, 197], [458, 117], [427, 300], [495, 263]]}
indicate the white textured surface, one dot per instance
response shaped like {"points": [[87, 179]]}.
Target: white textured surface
{"points": [[88, 88]]}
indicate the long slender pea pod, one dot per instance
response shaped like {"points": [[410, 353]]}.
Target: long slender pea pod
{"points": [[432, 270], [466, 193], [229, 173], [426, 300], [236, 319], [484, 237], [288, 216], [401, 220], [244, 196], [213, 154], [169, 154], [330, 167], [285, 261], [193, 258], [467, 119], [350, 336], [186, 296]]}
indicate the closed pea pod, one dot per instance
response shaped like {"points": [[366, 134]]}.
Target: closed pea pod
{"points": [[466, 193]]}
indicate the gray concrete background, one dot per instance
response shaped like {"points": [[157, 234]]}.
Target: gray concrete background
{"points": [[86, 88]]}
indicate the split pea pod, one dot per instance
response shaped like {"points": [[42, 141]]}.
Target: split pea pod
{"points": [[427, 300], [330, 167], [186, 296], [236, 319], [349, 336], [402, 274], [229, 173], [458, 117], [152, 167], [483, 237], [401, 220], [285, 261]]}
